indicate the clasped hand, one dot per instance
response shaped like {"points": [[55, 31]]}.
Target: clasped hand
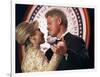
{"points": [[60, 48]]}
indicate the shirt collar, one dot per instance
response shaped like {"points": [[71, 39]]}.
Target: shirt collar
{"points": [[62, 35]]}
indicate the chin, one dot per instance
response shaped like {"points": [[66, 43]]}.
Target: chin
{"points": [[53, 35], [43, 41]]}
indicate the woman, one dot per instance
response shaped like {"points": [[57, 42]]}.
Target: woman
{"points": [[30, 36]]}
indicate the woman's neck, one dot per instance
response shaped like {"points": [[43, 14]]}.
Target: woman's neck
{"points": [[37, 46]]}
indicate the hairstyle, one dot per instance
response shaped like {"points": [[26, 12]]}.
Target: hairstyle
{"points": [[24, 30], [57, 12]]}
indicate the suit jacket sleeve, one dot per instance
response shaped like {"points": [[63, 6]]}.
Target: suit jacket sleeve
{"points": [[77, 53]]}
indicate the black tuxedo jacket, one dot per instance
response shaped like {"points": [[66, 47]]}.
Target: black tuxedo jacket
{"points": [[77, 54]]}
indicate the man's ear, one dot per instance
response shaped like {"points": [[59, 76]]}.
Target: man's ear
{"points": [[59, 20]]}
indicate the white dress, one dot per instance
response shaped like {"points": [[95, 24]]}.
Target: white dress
{"points": [[35, 60]]}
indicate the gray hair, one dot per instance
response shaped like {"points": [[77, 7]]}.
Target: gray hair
{"points": [[57, 12]]}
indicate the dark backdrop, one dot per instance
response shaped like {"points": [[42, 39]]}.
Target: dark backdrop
{"points": [[21, 13]]}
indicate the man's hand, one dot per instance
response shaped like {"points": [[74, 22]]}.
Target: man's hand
{"points": [[60, 48]]}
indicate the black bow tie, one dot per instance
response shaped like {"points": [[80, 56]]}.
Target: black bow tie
{"points": [[57, 41]]}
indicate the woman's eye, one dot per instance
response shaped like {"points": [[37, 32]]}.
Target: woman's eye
{"points": [[38, 29]]}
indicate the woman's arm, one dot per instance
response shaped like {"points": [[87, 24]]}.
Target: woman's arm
{"points": [[43, 64], [23, 51], [54, 62]]}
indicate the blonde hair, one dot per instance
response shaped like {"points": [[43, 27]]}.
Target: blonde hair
{"points": [[24, 30]]}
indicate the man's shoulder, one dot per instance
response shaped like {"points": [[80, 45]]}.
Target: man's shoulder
{"points": [[74, 42], [73, 38]]}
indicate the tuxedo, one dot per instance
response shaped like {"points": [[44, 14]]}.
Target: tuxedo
{"points": [[77, 57]]}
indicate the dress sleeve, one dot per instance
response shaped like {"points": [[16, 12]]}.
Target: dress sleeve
{"points": [[54, 62], [43, 64], [41, 61]]}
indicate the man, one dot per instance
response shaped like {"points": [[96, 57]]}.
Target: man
{"points": [[72, 48]]}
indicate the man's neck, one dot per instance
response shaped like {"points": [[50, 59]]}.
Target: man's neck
{"points": [[62, 31]]}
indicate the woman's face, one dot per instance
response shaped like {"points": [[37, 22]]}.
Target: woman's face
{"points": [[38, 37]]}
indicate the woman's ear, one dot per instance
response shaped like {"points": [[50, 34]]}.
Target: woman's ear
{"points": [[32, 39]]}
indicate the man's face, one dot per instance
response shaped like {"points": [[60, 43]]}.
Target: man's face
{"points": [[53, 25]]}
